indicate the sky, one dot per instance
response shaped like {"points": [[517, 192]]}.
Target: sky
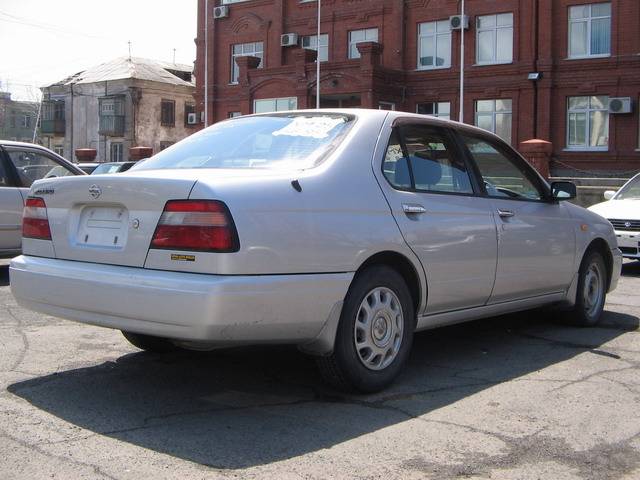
{"points": [[43, 41]]}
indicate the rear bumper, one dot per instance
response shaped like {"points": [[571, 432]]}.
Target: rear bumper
{"points": [[212, 308]]}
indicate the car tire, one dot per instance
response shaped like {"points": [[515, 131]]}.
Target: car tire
{"points": [[374, 334], [592, 291], [149, 343]]}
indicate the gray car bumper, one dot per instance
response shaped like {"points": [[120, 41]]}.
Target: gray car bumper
{"points": [[222, 309]]}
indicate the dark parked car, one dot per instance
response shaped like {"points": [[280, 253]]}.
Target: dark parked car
{"points": [[21, 164], [88, 167], [112, 167]]}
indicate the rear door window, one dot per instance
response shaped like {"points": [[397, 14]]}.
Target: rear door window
{"points": [[423, 158], [31, 166]]}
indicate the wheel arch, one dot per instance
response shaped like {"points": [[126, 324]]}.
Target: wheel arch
{"points": [[601, 246], [405, 267]]}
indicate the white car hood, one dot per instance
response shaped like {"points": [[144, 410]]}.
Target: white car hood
{"points": [[619, 209]]}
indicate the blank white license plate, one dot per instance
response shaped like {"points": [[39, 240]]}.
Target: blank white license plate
{"points": [[103, 227]]}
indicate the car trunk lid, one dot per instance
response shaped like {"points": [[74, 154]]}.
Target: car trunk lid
{"points": [[109, 219]]}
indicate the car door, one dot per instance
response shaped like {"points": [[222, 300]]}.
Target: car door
{"points": [[536, 237], [11, 205], [436, 205]]}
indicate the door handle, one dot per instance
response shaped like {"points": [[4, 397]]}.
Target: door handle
{"points": [[414, 208], [505, 213]]}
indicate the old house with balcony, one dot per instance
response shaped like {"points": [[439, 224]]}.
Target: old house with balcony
{"points": [[124, 103]]}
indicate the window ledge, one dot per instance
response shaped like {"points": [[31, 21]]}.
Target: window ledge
{"points": [[427, 69], [589, 57], [585, 149], [492, 63]]}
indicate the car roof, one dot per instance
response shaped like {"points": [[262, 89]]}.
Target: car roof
{"points": [[373, 114]]}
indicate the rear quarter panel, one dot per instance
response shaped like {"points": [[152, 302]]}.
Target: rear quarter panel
{"points": [[338, 220]]}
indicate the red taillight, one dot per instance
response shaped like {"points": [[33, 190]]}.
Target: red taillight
{"points": [[199, 225], [35, 223]]}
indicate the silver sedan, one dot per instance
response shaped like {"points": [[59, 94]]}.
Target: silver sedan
{"points": [[342, 232]]}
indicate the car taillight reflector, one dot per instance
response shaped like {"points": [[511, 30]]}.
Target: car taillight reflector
{"points": [[197, 225], [35, 223]]}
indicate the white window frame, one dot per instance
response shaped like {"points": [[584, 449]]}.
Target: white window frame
{"points": [[59, 149], [276, 100], [313, 45], [588, 20], [587, 112], [494, 29], [391, 106], [436, 109], [494, 115], [119, 148], [368, 37], [255, 53], [438, 37], [234, 114]]}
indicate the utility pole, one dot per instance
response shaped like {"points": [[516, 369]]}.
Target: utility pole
{"points": [[35, 127], [461, 115], [206, 63], [318, 58]]}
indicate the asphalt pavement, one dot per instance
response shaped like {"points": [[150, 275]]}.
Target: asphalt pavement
{"points": [[512, 397]]}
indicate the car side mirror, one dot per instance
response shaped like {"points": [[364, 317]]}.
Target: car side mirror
{"points": [[609, 194], [563, 191]]}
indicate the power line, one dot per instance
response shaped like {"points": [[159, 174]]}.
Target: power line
{"points": [[47, 27]]}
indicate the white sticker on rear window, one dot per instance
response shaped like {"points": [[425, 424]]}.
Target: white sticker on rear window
{"points": [[313, 127]]}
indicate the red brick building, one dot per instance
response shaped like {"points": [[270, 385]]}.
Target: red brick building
{"points": [[403, 54]]}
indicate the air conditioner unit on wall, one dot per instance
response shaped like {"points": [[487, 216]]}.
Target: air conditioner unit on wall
{"points": [[192, 118], [289, 40], [619, 105], [456, 22], [221, 12]]}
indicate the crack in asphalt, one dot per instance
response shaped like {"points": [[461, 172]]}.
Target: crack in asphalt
{"points": [[35, 447]]}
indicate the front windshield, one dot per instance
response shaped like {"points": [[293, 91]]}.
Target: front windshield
{"points": [[630, 190], [278, 141]]}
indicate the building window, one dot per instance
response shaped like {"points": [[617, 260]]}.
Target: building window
{"points": [[116, 152], [311, 42], [434, 45], [495, 116], [25, 121], [435, 109], [588, 123], [275, 104], [165, 145], [234, 114], [386, 106], [359, 36], [494, 40], [190, 116], [254, 49], [590, 30], [111, 121], [59, 149], [168, 113]]}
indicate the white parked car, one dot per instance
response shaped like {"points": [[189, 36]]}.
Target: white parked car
{"points": [[342, 232], [622, 209]]}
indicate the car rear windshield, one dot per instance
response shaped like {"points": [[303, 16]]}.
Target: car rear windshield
{"points": [[630, 190], [276, 141]]}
